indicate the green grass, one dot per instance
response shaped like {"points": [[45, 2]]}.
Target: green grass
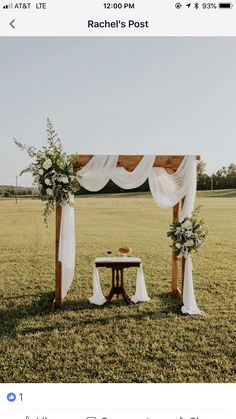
{"points": [[221, 193], [148, 342]]}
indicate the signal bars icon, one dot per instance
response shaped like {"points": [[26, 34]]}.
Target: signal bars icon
{"points": [[8, 6]]}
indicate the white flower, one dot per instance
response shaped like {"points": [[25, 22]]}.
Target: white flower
{"points": [[189, 243], [41, 172], [178, 245], [187, 224], [49, 191], [71, 199], [64, 179], [47, 164], [48, 182], [40, 154], [188, 234]]}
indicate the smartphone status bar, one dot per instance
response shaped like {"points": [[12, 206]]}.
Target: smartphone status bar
{"points": [[117, 18]]}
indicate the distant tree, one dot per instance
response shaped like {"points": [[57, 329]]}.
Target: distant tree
{"points": [[203, 180], [201, 169], [221, 172], [225, 178], [231, 171]]}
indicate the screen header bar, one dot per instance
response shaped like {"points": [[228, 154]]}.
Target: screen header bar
{"points": [[117, 18]]}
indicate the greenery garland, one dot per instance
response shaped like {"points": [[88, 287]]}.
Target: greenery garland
{"points": [[53, 172]]}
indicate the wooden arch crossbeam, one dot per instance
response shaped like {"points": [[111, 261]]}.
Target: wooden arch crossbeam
{"points": [[129, 162]]}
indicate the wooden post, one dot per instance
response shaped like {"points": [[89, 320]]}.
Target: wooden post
{"points": [[174, 258], [58, 298]]}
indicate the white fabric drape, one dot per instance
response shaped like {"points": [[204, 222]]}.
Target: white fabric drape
{"points": [[97, 172], [141, 290], [130, 180], [167, 190], [67, 247], [190, 306], [98, 297]]}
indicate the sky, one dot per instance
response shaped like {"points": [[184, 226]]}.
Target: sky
{"points": [[109, 95]]}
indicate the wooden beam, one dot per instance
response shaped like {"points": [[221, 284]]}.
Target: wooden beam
{"points": [[178, 293], [129, 162], [58, 298], [174, 285]]}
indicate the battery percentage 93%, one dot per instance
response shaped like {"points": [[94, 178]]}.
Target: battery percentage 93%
{"points": [[209, 5]]}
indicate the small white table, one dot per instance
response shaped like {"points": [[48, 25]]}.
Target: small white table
{"points": [[117, 265]]}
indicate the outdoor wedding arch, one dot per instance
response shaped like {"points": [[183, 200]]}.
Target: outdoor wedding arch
{"points": [[172, 180]]}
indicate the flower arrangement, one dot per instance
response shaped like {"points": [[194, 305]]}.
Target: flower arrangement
{"points": [[53, 172], [188, 235]]}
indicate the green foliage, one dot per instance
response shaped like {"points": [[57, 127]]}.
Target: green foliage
{"points": [[188, 235], [201, 169], [83, 343], [53, 172], [224, 178]]}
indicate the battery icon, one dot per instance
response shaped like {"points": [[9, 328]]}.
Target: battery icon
{"points": [[225, 5]]}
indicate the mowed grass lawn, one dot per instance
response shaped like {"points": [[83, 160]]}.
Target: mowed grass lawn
{"points": [[148, 342]]}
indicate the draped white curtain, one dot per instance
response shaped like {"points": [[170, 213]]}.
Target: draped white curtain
{"points": [[167, 190], [130, 180], [67, 247], [97, 172]]}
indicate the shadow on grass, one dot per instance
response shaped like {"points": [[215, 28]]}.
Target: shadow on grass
{"points": [[11, 316], [84, 304], [167, 305]]}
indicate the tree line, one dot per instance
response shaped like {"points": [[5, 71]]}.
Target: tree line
{"points": [[224, 178], [10, 191]]}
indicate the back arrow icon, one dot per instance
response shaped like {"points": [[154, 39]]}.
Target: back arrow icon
{"points": [[12, 24]]}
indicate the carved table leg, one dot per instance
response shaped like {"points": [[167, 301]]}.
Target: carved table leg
{"points": [[118, 286], [123, 290], [112, 291]]}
